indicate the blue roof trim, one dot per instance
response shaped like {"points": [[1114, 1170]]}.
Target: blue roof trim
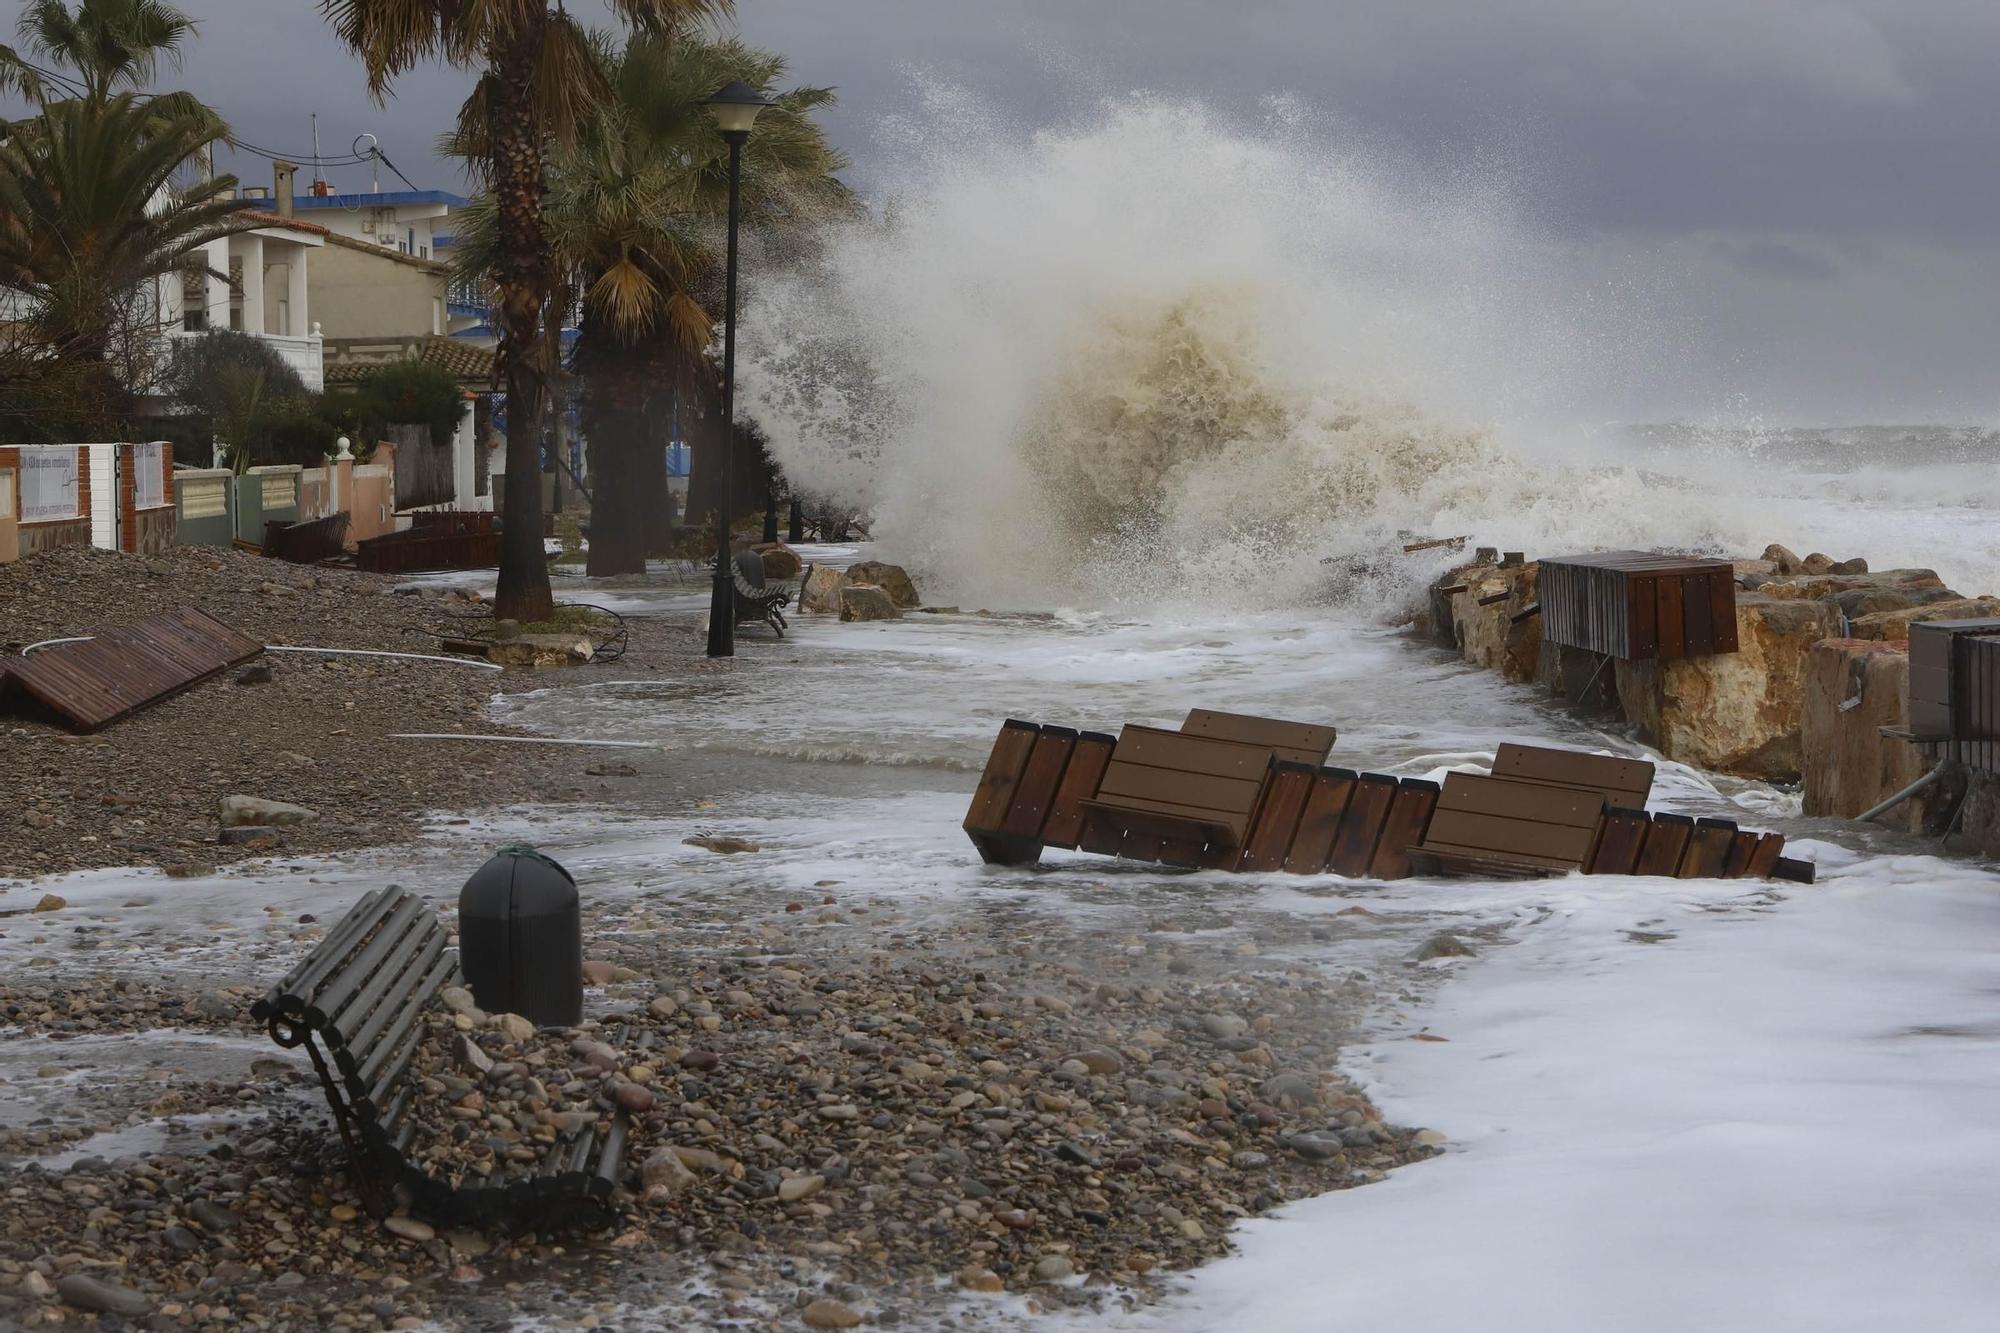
{"points": [[386, 199]]}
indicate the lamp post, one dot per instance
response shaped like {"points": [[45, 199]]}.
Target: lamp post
{"points": [[735, 106]]}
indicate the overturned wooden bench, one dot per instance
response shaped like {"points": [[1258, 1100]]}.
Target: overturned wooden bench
{"points": [[1544, 811], [1227, 791], [356, 1003]]}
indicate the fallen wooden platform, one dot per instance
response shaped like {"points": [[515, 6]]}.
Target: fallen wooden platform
{"points": [[96, 682], [1229, 791]]}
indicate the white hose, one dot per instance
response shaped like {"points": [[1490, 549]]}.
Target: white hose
{"points": [[291, 648], [520, 740], [372, 652]]}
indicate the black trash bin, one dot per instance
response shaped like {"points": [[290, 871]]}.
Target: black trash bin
{"points": [[520, 938]]}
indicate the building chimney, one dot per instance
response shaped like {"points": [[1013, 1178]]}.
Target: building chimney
{"points": [[282, 173]]}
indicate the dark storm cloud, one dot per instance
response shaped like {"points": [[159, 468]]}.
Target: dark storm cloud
{"points": [[1847, 147]]}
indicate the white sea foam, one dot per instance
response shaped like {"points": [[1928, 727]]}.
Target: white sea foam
{"points": [[1161, 357]]}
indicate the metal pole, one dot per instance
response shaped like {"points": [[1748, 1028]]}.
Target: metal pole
{"points": [[797, 530], [722, 605], [1905, 794], [770, 514]]}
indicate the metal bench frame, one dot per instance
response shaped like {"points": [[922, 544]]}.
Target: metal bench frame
{"points": [[356, 1004], [756, 600]]}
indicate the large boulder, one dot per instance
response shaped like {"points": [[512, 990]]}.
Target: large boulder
{"points": [[892, 579], [1487, 635], [781, 562], [822, 590], [1831, 585], [1737, 712], [1858, 602], [1854, 688], [1896, 624], [865, 601]]}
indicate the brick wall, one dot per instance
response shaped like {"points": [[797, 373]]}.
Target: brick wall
{"points": [[145, 531]]}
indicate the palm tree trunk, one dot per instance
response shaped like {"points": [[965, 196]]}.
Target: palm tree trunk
{"points": [[618, 428], [522, 274]]}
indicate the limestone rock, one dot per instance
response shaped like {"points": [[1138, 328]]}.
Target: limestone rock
{"points": [[1858, 602], [865, 601], [1487, 636], [1828, 585], [1817, 563], [821, 591], [781, 562], [541, 650], [1896, 624], [1855, 566], [892, 579], [1737, 712], [1782, 559], [1855, 687], [254, 812], [1752, 574], [50, 902]]}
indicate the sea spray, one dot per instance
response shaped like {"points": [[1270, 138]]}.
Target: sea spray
{"points": [[1161, 359]]}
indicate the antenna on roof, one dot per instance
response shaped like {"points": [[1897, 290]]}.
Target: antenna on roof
{"points": [[317, 178], [374, 156]]}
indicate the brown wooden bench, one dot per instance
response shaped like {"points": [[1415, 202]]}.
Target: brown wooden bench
{"points": [[1501, 828], [1176, 799]]}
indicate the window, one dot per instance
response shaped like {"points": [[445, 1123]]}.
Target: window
{"points": [[149, 466], [437, 314], [6, 493], [49, 483]]}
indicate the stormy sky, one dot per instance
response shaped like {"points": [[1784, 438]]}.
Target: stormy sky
{"points": [[1813, 186]]}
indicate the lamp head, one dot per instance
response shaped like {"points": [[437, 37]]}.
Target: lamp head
{"points": [[736, 105]]}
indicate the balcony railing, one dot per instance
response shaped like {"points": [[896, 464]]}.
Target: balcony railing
{"points": [[305, 355]]}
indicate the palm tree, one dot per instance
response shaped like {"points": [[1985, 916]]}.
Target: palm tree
{"points": [[93, 209], [107, 45], [635, 213], [540, 77]]}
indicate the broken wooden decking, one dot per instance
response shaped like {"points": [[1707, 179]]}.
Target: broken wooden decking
{"points": [[98, 681], [1231, 792]]}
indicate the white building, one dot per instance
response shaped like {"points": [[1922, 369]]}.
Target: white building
{"points": [[266, 295]]}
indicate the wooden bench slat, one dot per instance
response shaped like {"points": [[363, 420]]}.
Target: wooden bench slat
{"points": [[1080, 781], [1666, 842], [1156, 814], [1143, 782], [1707, 849], [1501, 835], [1361, 825], [1410, 815], [994, 797], [1312, 844], [1764, 861], [1277, 819], [1472, 793], [1195, 754], [1741, 848], [1036, 791], [1619, 839], [1297, 741], [1625, 782]]}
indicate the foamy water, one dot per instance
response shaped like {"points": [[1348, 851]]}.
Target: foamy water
{"points": [[1162, 358]]}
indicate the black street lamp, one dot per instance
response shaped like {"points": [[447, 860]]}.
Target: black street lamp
{"points": [[736, 106]]}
